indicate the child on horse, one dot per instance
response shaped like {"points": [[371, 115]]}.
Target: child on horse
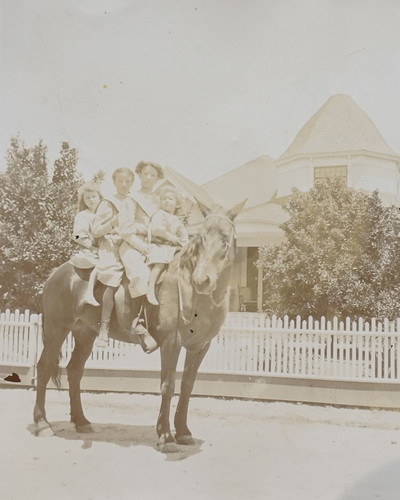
{"points": [[135, 214], [106, 227], [86, 253], [166, 235]]}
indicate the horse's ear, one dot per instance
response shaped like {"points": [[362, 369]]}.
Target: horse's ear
{"points": [[203, 208], [232, 213]]}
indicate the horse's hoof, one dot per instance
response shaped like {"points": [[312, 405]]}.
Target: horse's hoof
{"points": [[168, 448], [186, 440], [43, 429], [166, 444], [84, 428]]}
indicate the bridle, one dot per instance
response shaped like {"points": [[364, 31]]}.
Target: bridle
{"points": [[226, 249], [228, 245]]}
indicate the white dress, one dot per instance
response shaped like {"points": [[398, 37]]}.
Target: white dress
{"points": [[85, 254], [166, 234], [109, 267], [134, 218]]}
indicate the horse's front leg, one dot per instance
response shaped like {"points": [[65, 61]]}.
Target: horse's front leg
{"points": [[84, 339], [192, 362], [169, 349]]}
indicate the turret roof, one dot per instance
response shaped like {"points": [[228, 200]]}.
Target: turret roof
{"points": [[340, 125]]}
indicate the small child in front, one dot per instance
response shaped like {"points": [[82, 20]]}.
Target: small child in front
{"points": [[166, 235]]}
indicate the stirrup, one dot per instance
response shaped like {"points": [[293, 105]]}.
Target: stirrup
{"points": [[139, 328]]}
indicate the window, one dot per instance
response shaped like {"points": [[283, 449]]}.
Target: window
{"points": [[338, 172]]}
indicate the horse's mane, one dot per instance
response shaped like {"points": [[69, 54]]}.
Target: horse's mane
{"points": [[190, 252]]}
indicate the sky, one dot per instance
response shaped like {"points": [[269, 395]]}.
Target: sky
{"points": [[199, 86]]}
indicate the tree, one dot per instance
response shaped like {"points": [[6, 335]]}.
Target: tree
{"points": [[98, 177], [61, 203], [37, 216], [23, 215], [340, 256]]}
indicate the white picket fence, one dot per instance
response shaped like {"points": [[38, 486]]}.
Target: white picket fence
{"points": [[248, 343], [20, 337], [310, 348]]}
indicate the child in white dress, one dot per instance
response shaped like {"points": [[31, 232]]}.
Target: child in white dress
{"points": [[86, 253], [167, 234]]}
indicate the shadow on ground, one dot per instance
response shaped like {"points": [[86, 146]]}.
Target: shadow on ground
{"points": [[381, 484], [121, 435]]}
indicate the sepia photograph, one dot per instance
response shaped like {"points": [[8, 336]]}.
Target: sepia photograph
{"points": [[200, 249]]}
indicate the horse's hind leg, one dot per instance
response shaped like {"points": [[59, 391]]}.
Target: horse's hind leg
{"points": [[192, 362], [84, 339], [47, 367]]}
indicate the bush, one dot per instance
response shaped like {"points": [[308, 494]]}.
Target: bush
{"points": [[341, 256]]}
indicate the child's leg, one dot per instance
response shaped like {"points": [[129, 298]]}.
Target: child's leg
{"points": [[155, 272], [88, 298], [106, 310]]}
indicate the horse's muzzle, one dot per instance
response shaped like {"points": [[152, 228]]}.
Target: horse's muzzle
{"points": [[203, 283]]}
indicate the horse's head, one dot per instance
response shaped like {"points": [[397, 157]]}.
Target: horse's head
{"points": [[216, 243]]}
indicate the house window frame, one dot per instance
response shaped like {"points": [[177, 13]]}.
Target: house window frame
{"points": [[331, 172]]}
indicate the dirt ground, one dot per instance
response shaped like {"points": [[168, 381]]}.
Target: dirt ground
{"points": [[244, 450]]}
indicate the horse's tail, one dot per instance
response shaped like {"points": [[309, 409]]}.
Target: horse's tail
{"points": [[56, 373], [55, 370]]}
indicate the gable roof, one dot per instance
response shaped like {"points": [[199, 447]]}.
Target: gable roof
{"points": [[190, 192], [255, 180], [338, 126], [187, 187]]}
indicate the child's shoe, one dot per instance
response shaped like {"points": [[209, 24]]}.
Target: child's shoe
{"points": [[147, 342], [151, 298], [102, 339], [89, 299]]}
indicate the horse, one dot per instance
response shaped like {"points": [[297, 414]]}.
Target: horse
{"points": [[191, 311]]}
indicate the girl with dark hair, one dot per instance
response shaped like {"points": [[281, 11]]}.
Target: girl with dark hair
{"points": [[135, 214]]}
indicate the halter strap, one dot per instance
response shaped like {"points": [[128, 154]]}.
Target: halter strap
{"points": [[233, 236], [221, 216], [185, 320], [210, 293]]}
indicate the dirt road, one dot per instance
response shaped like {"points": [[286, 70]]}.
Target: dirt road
{"points": [[244, 450]]}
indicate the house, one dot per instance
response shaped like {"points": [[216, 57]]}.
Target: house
{"points": [[339, 140], [256, 225]]}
